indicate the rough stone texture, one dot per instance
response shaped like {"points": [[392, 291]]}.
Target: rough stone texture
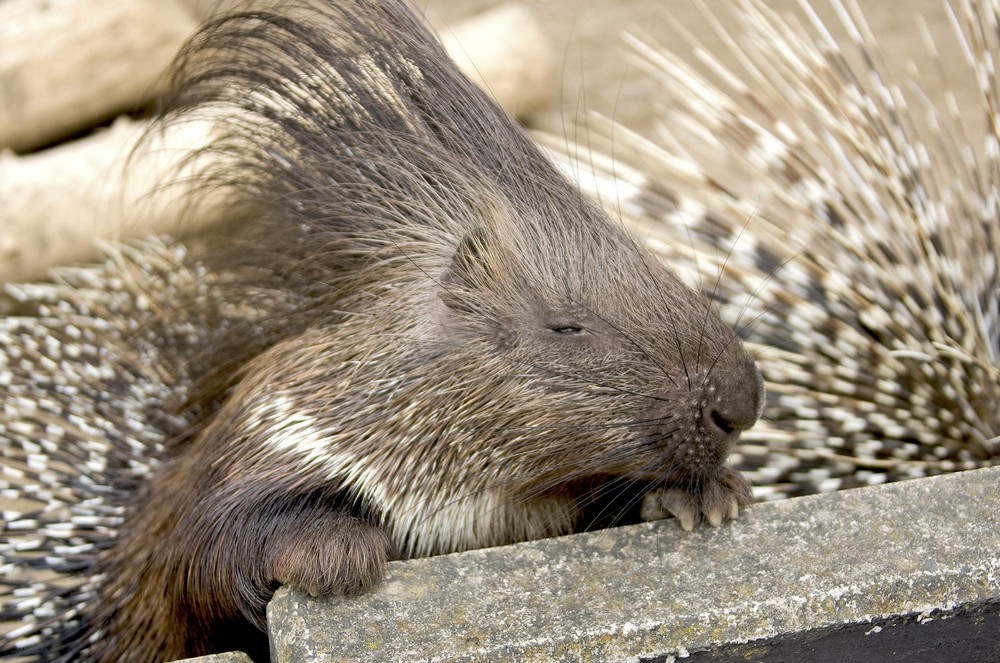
{"points": [[228, 657], [855, 556]]}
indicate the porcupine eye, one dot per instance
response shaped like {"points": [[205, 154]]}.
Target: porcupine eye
{"points": [[566, 330]]}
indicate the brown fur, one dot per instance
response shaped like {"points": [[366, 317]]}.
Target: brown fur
{"points": [[424, 341]]}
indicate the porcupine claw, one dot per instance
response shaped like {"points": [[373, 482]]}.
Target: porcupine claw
{"points": [[734, 508], [714, 516], [718, 499], [674, 501], [722, 512]]}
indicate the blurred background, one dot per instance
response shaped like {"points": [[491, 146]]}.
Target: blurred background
{"points": [[77, 77]]}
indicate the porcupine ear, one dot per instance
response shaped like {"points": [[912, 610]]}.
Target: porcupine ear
{"points": [[472, 263], [477, 263]]}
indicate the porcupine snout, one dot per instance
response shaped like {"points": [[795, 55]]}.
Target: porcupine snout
{"points": [[696, 482], [732, 403], [697, 424]]}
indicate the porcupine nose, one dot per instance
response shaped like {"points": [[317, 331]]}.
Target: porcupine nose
{"points": [[736, 404]]}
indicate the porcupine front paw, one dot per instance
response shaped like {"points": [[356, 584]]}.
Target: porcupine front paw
{"points": [[717, 498], [344, 559]]}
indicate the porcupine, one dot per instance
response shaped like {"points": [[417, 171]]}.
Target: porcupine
{"points": [[859, 213], [418, 338]]}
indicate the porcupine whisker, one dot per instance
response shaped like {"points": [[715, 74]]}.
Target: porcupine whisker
{"points": [[542, 428], [747, 331], [568, 471], [587, 130], [673, 328], [619, 455], [579, 108], [568, 427], [581, 112], [631, 341], [611, 491], [694, 253], [755, 294], [719, 354], [712, 296], [561, 472], [617, 217], [591, 381], [540, 489]]}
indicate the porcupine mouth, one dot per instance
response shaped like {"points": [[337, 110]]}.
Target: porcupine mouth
{"points": [[693, 451], [684, 464]]}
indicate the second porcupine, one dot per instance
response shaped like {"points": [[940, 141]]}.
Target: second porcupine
{"points": [[859, 213], [422, 340]]}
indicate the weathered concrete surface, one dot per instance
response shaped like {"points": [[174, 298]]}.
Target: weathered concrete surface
{"points": [[228, 657], [814, 562]]}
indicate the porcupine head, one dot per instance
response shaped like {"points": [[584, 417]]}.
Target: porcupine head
{"points": [[438, 343]]}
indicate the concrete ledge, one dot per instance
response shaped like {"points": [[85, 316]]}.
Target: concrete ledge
{"points": [[891, 555], [228, 657]]}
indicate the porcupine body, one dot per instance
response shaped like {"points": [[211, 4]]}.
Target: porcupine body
{"points": [[861, 215], [416, 338]]}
